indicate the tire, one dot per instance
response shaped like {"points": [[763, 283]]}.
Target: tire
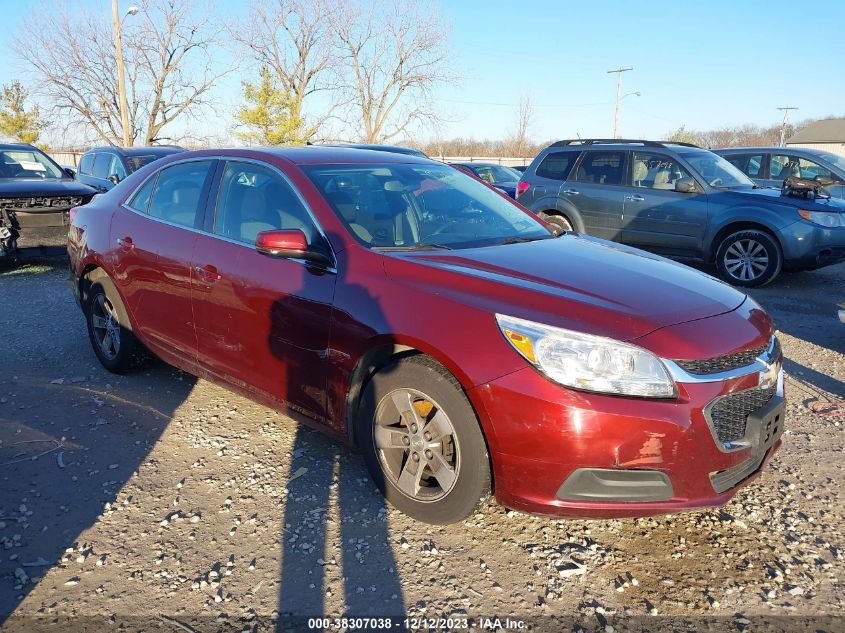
{"points": [[454, 447], [749, 258], [560, 222], [106, 319]]}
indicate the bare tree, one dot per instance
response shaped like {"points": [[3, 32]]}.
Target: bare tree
{"points": [[168, 59], [519, 137], [394, 56], [292, 38]]}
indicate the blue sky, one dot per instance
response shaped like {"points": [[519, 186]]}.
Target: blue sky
{"points": [[704, 65]]}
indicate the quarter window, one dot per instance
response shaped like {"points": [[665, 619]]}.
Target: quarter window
{"points": [[179, 193], [656, 171], [254, 198], [601, 168], [140, 200], [557, 165]]}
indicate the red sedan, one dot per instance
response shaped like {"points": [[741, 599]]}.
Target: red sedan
{"points": [[464, 346]]}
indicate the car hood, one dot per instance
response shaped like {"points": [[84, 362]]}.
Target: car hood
{"points": [[775, 196], [574, 281], [34, 187]]}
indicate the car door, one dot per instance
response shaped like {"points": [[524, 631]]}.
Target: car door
{"points": [[597, 191], [262, 322], [657, 217], [153, 236]]}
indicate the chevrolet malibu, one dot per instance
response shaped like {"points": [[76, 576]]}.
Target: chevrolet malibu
{"points": [[460, 342]]}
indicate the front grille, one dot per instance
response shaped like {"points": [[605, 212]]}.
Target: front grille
{"points": [[729, 414], [722, 363], [41, 203]]}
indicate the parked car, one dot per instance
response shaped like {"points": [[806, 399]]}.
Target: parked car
{"points": [[770, 166], [450, 334], [393, 149], [499, 176], [104, 167], [35, 196], [684, 202]]}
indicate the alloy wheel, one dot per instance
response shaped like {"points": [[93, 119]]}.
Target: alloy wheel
{"points": [[417, 445], [746, 259], [105, 326]]}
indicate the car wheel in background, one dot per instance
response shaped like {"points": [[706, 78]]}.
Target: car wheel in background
{"points": [[108, 329], [560, 222], [422, 442], [749, 258]]}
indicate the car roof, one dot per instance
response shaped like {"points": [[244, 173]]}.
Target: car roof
{"points": [[161, 150], [624, 146], [18, 146], [477, 164], [396, 149], [788, 148], [326, 154]]}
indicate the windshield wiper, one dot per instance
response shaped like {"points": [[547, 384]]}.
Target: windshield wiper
{"points": [[415, 247], [519, 240]]}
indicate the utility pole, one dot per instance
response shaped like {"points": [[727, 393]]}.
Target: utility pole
{"points": [[121, 75], [618, 72], [783, 125]]}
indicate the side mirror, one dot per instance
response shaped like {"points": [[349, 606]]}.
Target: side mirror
{"points": [[288, 243], [69, 172], [685, 185], [114, 178]]}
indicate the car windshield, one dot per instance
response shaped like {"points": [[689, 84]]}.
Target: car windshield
{"points": [[716, 171], [495, 173], [404, 206], [27, 163]]}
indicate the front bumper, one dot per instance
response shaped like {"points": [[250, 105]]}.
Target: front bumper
{"points": [[573, 454], [807, 246]]}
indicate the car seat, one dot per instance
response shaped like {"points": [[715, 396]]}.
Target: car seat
{"points": [[640, 174]]}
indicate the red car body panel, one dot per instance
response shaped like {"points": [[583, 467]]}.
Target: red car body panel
{"points": [[292, 336]]}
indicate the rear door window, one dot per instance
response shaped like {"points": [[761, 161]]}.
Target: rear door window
{"points": [[557, 165], [749, 164], [180, 193], [601, 168]]}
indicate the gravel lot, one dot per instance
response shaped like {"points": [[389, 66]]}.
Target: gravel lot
{"points": [[158, 501]]}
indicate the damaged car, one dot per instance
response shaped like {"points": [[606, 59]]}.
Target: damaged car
{"points": [[35, 197]]}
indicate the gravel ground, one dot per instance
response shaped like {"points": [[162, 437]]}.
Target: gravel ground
{"points": [[158, 501]]}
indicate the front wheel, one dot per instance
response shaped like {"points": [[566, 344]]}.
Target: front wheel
{"points": [[749, 258], [422, 442]]}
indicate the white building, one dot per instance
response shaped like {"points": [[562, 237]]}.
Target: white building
{"points": [[827, 135]]}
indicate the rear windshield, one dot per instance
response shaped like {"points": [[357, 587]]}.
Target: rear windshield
{"points": [[22, 163], [134, 163], [414, 206]]}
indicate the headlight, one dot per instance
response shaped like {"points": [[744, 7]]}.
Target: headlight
{"points": [[829, 219], [590, 363]]}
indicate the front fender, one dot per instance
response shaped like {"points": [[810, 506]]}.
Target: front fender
{"points": [[773, 220]]}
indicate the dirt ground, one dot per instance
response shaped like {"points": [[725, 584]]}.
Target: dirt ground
{"points": [[158, 502]]}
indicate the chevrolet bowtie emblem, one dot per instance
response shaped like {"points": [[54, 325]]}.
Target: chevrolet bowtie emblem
{"points": [[769, 376]]}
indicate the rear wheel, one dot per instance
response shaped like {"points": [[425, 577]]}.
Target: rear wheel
{"points": [[115, 346], [422, 442], [560, 222], [749, 258]]}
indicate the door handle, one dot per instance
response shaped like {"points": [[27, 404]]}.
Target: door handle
{"points": [[207, 273], [125, 242], [571, 192], [635, 198]]}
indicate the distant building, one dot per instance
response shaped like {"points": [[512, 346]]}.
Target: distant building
{"points": [[827, 135]]}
